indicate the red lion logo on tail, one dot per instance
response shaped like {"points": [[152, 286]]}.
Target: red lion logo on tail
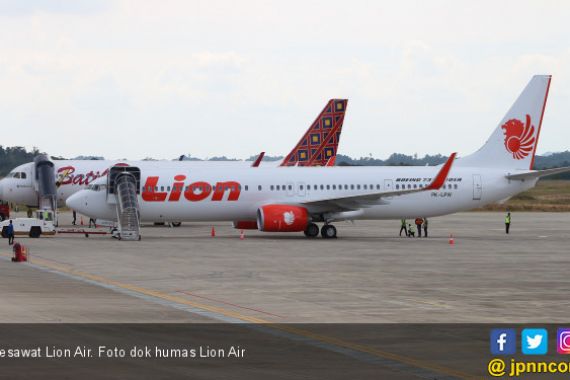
{"points": [[519, 137]]}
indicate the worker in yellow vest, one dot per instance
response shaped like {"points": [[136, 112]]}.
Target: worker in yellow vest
{"points": [[508, 222]]}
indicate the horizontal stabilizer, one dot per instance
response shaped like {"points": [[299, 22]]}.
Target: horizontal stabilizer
{"points": [[538, 173]]}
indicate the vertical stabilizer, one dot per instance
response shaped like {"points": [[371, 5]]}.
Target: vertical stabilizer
{"points": [[320, 142], [513, 143]]}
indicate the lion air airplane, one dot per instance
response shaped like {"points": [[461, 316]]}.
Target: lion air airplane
{"points": [[295, 199], [317, 147]]}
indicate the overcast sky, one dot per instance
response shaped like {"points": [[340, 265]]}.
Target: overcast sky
{"points": [[163, 78]]}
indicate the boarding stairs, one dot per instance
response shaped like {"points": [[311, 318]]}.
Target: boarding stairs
{"points": [[124, 183], [45, 185]]}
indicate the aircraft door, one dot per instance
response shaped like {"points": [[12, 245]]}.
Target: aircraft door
{"points": [[477, 187]]}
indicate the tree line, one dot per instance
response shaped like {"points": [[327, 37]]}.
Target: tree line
{"points": [[10, 157]]}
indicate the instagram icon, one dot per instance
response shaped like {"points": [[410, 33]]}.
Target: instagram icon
{"points": [[563, 341]]}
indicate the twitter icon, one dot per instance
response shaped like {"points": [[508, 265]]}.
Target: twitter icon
{"points": [[534, 341]]}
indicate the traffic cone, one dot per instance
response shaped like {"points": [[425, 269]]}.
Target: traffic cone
{"points": [[241, 235], [213, 232], [451, 239]]}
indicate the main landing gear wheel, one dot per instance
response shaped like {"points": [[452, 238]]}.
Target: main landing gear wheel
{"points": [[328, 231], [312, 230]]}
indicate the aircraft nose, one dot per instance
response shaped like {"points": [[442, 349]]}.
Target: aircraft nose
{"points": [[77, 202]]}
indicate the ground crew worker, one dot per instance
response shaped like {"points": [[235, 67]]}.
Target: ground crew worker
{"points": [[74, 217], [46, 214], [419, 222], [403, 227], [425, 227], [411, 232], [92, 221], [10, 233], [508, 222]]}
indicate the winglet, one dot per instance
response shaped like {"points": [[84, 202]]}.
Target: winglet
{"points": [[258, 160], [440, 178]]}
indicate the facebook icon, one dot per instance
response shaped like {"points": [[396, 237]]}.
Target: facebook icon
{"points": [[503, 342]]}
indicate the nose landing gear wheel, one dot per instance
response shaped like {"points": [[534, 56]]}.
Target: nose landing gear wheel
{"points": [[328, 231], [312, 230]]}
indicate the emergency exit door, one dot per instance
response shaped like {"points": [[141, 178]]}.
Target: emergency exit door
{"points": [[477, 187]]}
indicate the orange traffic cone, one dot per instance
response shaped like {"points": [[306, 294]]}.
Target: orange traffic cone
{"points": [[241, 235], [213, 232], [451, 239]]}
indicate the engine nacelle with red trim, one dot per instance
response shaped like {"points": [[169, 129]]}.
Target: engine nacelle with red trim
{"points": [[282, 218]]}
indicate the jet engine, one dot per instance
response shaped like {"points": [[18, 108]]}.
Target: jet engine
{"points": [[282, 218]]}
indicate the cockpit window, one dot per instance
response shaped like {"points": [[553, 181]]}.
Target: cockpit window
{"points": [[96, 187], [20, 175]]}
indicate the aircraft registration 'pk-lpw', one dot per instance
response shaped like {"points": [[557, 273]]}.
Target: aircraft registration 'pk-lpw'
{"points": [[293, 199], [317, 147]]}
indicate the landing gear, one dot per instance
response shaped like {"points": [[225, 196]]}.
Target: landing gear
{"points": [[312, 230], [328, 231]]}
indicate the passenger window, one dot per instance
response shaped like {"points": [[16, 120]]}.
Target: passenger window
{"points": [[378, 187], [397, 187], [322, 187], [315, 187], [455, 186], [346, 187], [278, 187], [259, 188], [365, 187], [246, 188], [357, 187], [290, 187], [328, 187], [334, 187], [271, 187], [300, 187], [351, 187]]}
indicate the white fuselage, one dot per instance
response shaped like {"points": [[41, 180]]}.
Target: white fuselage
{"points": [[75, 175], [465, 188]]}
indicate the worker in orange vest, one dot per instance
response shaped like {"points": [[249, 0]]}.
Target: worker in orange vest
{"points": [[419, 222]]}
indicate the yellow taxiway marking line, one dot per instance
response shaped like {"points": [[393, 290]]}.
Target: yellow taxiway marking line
{"points": [[228, 313]]}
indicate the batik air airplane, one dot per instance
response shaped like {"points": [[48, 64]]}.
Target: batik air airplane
{"points": [[295, 199], [317, 147]]}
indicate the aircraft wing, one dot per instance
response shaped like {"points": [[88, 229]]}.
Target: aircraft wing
{"points": [[357, 202], [537, 173]]}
